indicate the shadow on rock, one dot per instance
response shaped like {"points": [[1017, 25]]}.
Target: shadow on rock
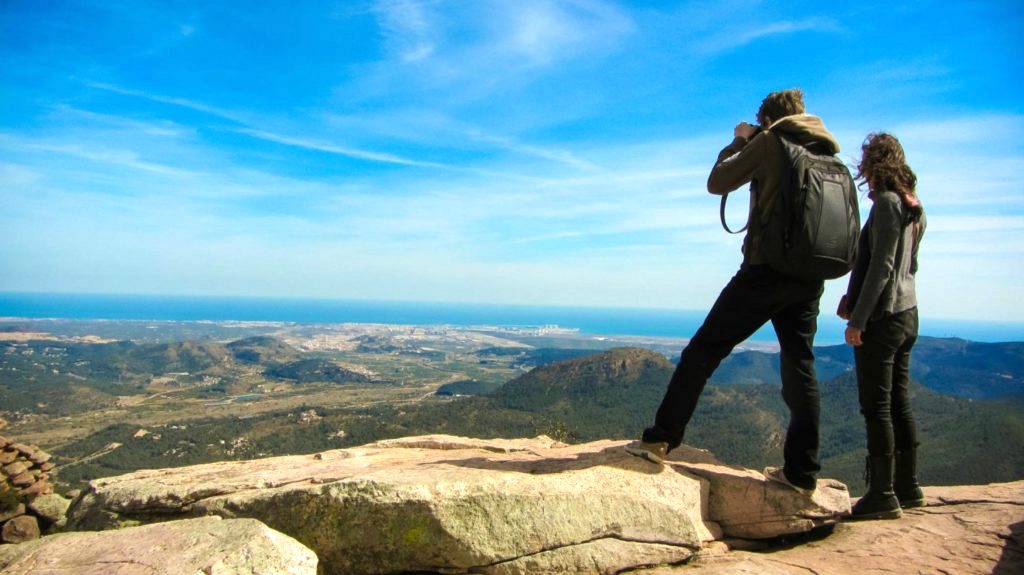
{"points": [[1011, 562]]}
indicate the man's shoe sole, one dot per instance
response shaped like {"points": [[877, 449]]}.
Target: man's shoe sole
{"points": [[781, 481], [645, 454]]}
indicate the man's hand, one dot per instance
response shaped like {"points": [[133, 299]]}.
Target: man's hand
{"points": [[744, 130], [853, 336]]}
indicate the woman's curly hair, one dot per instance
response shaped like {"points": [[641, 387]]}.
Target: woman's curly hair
{"points": [[883, 167]]}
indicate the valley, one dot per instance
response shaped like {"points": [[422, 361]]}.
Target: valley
{"points": [[108, 397]]}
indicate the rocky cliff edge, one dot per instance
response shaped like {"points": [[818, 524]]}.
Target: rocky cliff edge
{"points": [[442, 504], [450, 504]]}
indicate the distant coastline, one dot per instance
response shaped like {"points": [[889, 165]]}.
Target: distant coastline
{"points": [[588, 320]]}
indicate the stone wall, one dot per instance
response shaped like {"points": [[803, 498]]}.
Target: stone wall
{"points": [[28, 506]]}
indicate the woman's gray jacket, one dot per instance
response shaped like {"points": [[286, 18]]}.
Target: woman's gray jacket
{"points": [[882, 279]]}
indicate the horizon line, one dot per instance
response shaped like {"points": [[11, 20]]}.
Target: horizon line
{"points": [[382, 301]]}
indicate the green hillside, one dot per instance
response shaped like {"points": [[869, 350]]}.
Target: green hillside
{"points": [[314, 370], [610, 395], [949, 366], [262, 349], [64, 378]]}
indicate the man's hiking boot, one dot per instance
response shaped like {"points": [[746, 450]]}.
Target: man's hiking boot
{"points": [[880, 501], [905, 480], [654, 452], [778, 475]]}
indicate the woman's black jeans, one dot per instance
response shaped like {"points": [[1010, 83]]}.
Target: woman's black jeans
{"points": [[883, 382]]}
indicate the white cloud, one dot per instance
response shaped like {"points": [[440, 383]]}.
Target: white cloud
{"points": [[540, 32], [160, 128], [965, 131], [486, 45], [118, 157], [408, 27], [180, 102], [16, 176], [746, 32], [249, 130], [967, 225], [553, 154], [335, 149]]}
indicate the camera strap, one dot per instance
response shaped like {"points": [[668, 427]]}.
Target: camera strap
{"points": [[721, 214]]}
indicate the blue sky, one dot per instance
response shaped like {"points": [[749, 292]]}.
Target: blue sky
{"points": [[533, 152]]}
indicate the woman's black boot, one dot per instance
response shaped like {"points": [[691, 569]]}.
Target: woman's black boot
{"points": [[905, 480], [880, 501]]}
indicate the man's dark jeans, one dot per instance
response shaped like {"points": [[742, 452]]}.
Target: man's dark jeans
{"points": [[883, 382], [755, 295]]}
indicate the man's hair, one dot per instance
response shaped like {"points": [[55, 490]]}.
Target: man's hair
{"points": [[780, 104]]}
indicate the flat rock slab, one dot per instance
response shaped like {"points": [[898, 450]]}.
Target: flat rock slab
{"points": [[206, 545], [450, 504], [967, 530]]}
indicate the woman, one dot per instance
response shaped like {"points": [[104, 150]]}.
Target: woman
{"points": [[881, 308]]}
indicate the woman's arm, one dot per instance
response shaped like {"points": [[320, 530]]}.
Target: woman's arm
{"points": [[886, 229]]}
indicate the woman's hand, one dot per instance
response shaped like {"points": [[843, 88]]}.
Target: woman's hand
{"points": [[842, 311], [853, 336]]}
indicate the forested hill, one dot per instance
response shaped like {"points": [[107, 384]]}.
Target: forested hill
{"points": [[950, 366], [613, 394]]}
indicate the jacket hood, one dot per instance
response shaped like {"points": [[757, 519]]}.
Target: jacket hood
{"points": [[808, 131]]}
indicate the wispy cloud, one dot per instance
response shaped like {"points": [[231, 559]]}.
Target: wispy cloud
{"points": [[408, 27], [121, 158], [159, 128], [174, 101], [541, 32], [964, 130], [492, 43], [335, 149], [735, 36], [15, 176], [970, 162], [255, 132], [553, 154]]}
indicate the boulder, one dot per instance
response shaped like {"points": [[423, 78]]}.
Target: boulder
{"points": [[206, 545], [442, 503], [51, 508], [20, 529], [18, 509]]}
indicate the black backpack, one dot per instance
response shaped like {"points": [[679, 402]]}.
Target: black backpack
{"points": [[811, 228]]}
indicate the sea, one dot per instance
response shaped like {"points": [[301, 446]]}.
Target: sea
{"points": [[598, 321]]}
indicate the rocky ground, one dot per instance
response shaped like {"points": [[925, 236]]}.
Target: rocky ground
{"points": [[976, 529], [443, 504]]}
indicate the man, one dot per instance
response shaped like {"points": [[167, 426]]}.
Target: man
{"points": [[755, 295]]}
